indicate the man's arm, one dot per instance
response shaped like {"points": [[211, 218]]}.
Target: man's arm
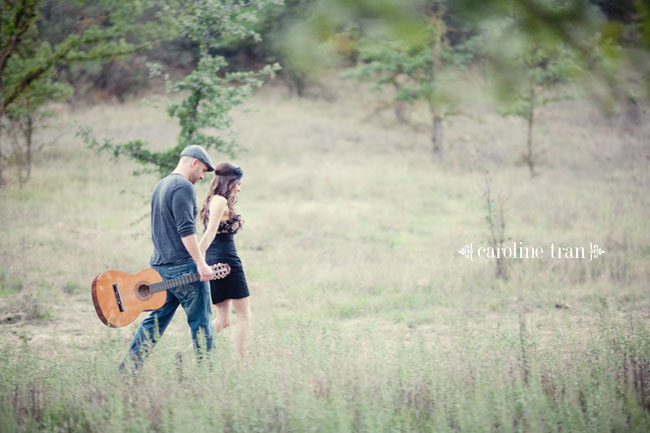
{"points": [[183, 203], [192, 246]]}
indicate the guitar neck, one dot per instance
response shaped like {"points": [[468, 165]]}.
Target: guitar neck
{"points": [[174, 282]]}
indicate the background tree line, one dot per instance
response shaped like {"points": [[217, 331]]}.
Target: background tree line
{"points": [[627, 23], [55, 50]]}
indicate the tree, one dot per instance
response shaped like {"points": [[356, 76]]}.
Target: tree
{"points": [[390, 64], [210, 92], [27, 63], [414, 67], [26, 114], [543, 67]]}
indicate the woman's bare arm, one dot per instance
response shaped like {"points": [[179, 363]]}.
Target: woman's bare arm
{"points": [[218, 206]]}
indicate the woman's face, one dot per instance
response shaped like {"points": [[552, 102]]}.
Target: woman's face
{"points": [[236, 188]]}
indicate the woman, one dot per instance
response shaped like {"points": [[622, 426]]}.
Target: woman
{"points": [[217, 244]]}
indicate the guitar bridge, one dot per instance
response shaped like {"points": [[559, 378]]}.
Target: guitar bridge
{"points": [[118, 298]]}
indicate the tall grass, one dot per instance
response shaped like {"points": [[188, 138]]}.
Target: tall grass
{"points": [[307, 378], [365, 316]]}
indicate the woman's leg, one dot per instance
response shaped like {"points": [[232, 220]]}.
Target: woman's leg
{"points": [[223, 315], [243, 326]]}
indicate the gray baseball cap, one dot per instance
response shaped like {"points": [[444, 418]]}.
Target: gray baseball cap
{"points": [[196, 151]]}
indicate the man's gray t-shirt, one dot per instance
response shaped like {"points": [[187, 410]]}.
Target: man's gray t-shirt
{"points": [[173, 212]]}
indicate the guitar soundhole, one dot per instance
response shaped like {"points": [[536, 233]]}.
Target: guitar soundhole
{"points": [[142, 291]]}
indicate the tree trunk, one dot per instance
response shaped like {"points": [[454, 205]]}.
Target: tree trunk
{"points": [[400, 112], [26, 162], [29, 148], [502, 270], [2, 182], [2, 112], [399, 105], [437, 135], [530, 159], [502, 265], [295, 83]]}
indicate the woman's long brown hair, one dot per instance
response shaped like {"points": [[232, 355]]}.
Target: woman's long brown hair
{"points": [[226, 176]]}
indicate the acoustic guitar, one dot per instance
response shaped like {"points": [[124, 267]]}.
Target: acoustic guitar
{"points": [[120, 297]]}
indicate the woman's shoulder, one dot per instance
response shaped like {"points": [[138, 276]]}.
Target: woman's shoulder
{"points": [[218, 201]]}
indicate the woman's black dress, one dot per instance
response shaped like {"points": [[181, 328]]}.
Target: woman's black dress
{"points": [[222, 250]]}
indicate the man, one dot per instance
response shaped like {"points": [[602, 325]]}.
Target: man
{"points": [[176, 252]]}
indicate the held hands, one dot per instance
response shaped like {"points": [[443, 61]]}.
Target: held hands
{"points": [[205, 272]]}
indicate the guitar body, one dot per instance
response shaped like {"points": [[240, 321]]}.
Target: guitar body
{"points": [[120, 297]]}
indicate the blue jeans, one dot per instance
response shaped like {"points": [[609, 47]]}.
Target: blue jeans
{"points": [[195, 299]]}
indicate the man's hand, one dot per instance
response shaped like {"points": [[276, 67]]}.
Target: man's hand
{"points": [[192, 245], [205, 272]]}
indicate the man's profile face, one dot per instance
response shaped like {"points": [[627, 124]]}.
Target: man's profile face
{"points": [[198, 171]]}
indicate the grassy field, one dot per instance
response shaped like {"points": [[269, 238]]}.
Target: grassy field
{"points": [[366, 317]]}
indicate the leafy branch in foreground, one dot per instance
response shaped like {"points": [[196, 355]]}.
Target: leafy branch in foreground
{"points": [[210, 92]]}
